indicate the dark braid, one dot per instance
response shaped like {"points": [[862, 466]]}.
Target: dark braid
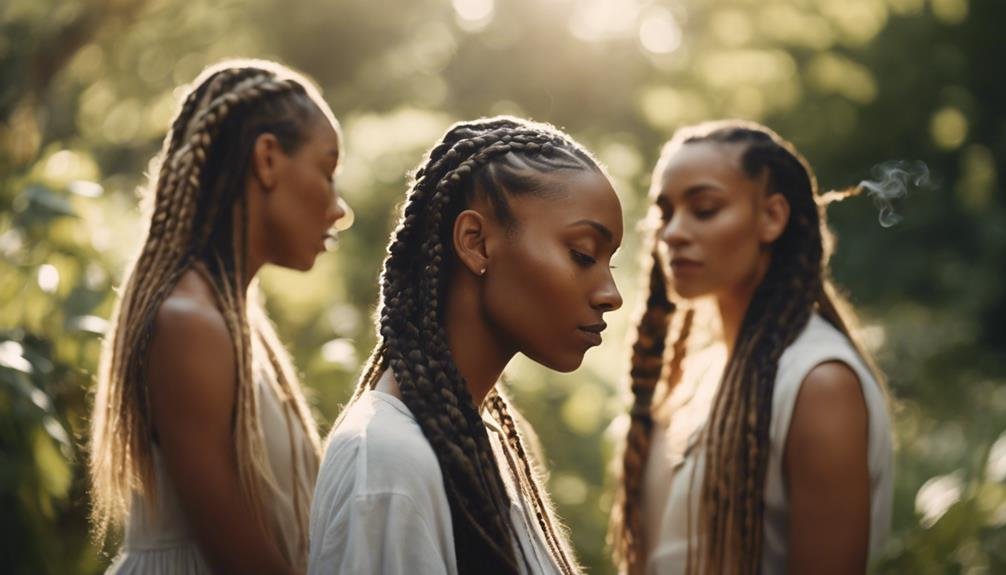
{"points": [[736, 437], [499, 157]]}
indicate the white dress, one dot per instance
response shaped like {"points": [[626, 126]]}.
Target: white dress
{"points": [[380, 505], [158, 540], [675, 469]]}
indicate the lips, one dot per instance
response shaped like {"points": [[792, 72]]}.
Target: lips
{"points": [[330, 240], [592, 332], [683, 264]]}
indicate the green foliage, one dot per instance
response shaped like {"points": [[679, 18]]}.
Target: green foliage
{"points": [[87, 90]]}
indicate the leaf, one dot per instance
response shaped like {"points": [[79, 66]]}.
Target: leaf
{"points": [[53, 468]]}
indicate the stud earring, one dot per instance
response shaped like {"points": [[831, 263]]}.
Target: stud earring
{"points": [[482, 272]]}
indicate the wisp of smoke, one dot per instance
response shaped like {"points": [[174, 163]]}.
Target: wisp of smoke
{"points": [[891, 181]]}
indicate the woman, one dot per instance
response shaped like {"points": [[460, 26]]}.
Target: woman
{"points": [[202, 444], [503, 247], [764, 446]]}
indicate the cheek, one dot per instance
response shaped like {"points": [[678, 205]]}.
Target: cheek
{"points": [[730, 244], [302, 205], [534, 297], [296, 219]]}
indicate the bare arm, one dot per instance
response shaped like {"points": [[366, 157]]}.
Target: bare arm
{"points": [[192, 382], [825, 463]]}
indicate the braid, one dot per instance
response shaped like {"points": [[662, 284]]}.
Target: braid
{"points": [[473, 157], [530, 482], [191, 226], [626, 534]]}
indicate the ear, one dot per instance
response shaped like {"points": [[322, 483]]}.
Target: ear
{"points": [[469, 238], [265, 158], [774, 217]]}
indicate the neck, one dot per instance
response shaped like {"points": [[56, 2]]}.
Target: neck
{"points": [[733, 303], [475, 345], [256, 245]]}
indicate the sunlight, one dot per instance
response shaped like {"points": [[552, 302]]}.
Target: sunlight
{"points": [[599, 20], [48, 278], [659, 32], [474, 14]]}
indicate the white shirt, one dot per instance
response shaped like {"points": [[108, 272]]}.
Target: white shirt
{"points": [[380, 505], [673, 479]]}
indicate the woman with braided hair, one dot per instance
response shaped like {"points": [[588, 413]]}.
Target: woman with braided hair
{"points": [[202, 444], [760, 444], [503, 247]]}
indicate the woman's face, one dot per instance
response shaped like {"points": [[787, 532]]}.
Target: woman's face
{"points": [[715, 221], [304, 204], [548, 282]]}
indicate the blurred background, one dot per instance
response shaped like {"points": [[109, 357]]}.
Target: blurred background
{"points": [[88, 87]]}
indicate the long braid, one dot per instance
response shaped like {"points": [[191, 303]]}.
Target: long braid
{"points": [[737, 438], [626, 534], [530, 482], [472, 158], [191, 226]]}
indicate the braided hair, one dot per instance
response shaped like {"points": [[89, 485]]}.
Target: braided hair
{"points": [[495, 158], [736, 438], [198, 220]]}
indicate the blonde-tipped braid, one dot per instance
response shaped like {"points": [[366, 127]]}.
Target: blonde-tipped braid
{"points": [[529, 482], [626, 534], [190, 190]]}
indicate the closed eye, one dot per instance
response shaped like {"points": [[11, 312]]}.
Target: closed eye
{"points": [[582, 259]]}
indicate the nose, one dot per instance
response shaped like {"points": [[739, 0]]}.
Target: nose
{"points": [[674, 233], [339, 210], [607, 297]]}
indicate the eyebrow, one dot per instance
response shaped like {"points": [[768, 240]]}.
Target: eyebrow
{"points": [[601, 229], [664, 202]]}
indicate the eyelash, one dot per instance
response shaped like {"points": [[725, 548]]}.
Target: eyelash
{"points": [[582, 259], [700, 214]]}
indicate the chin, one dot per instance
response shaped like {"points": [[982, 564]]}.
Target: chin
{"points": [[685, 291], [297, 265], [562, 364]]}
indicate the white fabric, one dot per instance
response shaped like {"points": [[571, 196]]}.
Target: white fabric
{"points": [[380, 505], [674, 474], [158, 541]]}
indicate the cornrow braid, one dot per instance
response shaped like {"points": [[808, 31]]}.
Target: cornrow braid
{"points": [[500, 158], [730, 523], [198, 187]]}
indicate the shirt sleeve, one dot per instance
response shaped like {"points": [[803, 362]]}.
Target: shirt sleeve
{"points": [[381, 534]]}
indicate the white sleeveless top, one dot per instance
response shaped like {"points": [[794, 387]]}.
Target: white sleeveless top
{"points": [[380, 506], [158, 540], [673, 478]]}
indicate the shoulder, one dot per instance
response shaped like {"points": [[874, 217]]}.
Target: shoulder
{"points": [[818, 337], [191, 361], [829, 430], [381, 440], [820, 386], [831, 395], [819, 342]]}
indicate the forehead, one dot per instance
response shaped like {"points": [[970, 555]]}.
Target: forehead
{"points": [[581, 195], [701, 163], [325, 133]]}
